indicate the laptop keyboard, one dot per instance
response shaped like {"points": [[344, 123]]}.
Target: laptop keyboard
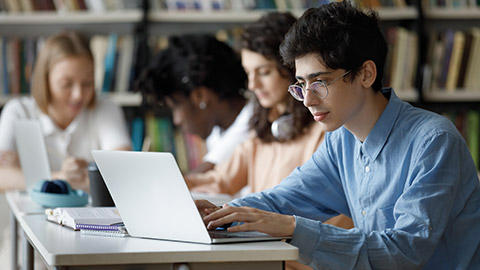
{"points": [[227, 234]]}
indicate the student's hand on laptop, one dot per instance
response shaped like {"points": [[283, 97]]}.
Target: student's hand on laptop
{"points": [[9, 158], [205, 208], [253, 220]]}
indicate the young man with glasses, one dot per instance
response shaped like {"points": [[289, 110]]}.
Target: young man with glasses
{"points": [[403, 174]]}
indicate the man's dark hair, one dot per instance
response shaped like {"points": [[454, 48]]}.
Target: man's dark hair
{"points": [[342, 35], [264, 37], [192, 61]]}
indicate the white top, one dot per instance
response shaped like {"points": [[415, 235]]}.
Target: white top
{"points": [[103, 127], [221, 143]]}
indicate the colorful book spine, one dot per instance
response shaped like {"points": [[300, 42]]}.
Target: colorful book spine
{"points": [[138, 133]]}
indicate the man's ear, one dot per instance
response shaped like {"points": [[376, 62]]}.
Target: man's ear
{"points": [[369, 73]]}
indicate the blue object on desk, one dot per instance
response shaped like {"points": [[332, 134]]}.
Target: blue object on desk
{"points": [[57, 193]]}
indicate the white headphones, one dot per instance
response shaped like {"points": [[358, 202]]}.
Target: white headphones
{"points": [[282, 127]]}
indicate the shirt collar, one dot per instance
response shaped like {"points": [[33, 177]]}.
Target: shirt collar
{"points": [[382, 129], [49, 127]]}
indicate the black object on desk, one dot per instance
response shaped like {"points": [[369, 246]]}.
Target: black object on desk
{"points": [[98, 189]]}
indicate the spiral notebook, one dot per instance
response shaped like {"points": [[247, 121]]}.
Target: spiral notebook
{"points": [[118, 233], [154, 201]]}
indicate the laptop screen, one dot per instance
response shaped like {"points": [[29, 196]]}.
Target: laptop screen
{"points": [[32, 151]]}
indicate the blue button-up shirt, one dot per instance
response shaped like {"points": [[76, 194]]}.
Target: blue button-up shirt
{"points": [[411, 189]]}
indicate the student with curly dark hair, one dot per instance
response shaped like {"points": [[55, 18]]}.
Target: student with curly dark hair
{"points": [[202, 81], [404, 175]]}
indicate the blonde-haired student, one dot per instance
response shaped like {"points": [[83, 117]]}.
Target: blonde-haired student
{"points": [[73, 120]]}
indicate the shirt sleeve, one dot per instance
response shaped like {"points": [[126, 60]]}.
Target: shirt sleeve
{"points": [[432, 184], [10, 114], [221, 146], [111, 126]]}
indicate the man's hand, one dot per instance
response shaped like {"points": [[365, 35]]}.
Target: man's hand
{"points": [[253, 220], [205, 207]]}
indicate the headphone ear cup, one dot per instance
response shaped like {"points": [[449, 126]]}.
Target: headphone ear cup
{"points": [[55, 186], [45, 187], [62, 186]]}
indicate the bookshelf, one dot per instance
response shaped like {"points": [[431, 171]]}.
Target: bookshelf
{"points": [[125, 99], [78, 17], [160, 19], [153, 18], [453, 26], [451, 85], [229, 16]]}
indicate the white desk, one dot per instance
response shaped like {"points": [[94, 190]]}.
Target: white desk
{"points": [[61, 247], [20, 204]]}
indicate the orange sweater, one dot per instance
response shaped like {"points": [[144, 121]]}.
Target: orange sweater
{"points": [[257, 164]]}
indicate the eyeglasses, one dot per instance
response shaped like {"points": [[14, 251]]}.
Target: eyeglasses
{"points": [[319, 88]]}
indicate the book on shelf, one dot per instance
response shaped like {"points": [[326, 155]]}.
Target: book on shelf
{"points": [[98, 45], [138, 133], [181, 151], [72, 216], [442, 79], [110, 62], [454, 65], [411, 61], [472, 80], [401, 60], [124, 64], [436, 57], [462, 72]]}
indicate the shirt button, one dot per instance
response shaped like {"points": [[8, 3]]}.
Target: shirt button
{"points": [[364, 212], [367, 169]]}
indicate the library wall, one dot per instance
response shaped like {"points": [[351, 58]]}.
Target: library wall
{"points": [[422, 36]]}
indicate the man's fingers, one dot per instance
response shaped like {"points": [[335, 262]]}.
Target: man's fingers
{"points": [[231, 215]]}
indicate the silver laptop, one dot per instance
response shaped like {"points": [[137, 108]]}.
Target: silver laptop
{"points": [[153, 199], [32, 151]]}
